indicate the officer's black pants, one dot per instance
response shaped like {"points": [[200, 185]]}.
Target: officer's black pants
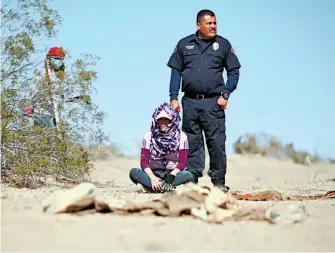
{"points": [[205, 116]]}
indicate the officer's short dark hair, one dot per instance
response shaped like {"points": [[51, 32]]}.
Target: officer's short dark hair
{"points": [[204, 13]]}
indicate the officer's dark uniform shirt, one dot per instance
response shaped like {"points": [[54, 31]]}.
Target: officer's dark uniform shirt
{"points": [[202, 68]]}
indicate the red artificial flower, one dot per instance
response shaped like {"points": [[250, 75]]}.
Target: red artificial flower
{"points": [[56, 51]]}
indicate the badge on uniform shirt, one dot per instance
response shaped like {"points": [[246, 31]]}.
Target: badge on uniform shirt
{"points": [[215, 46]]}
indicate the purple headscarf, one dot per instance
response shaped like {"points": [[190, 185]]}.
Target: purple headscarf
{"points": [[163, 143]]}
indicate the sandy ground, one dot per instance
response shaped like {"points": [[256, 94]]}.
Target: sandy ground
{"points": [[25, 228]]}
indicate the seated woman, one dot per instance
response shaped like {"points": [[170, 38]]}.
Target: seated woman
{"points": [[164, 153]]}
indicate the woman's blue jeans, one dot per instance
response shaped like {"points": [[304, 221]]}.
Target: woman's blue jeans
{"points": [[138, 176]]}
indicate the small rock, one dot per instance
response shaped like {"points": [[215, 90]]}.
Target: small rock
{"points": [[80, 195], [287, 214], [4, 195]]}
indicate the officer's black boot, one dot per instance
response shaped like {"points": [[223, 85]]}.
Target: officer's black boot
{"points": [[220, 183], [222, 187]]}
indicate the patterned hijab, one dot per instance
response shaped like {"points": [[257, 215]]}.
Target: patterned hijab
{"points": [[163, 143]]}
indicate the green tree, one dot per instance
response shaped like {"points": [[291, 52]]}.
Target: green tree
{"points": [[30, 152]]}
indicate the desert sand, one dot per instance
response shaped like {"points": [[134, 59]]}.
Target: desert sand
{"points": [[24, 226]]}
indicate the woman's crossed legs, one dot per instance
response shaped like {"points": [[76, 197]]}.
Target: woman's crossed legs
{"points": [[138, 176]]}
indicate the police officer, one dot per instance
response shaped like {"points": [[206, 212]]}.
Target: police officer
{"points": [[199, 61]]}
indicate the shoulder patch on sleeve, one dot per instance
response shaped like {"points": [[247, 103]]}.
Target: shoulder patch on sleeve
{"points": [[232, 50]]}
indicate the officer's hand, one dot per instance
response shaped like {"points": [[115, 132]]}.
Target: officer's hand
{"points": [[222, 103], [175, 105]]}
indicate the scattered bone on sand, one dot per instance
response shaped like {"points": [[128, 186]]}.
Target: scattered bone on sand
{"points": [[202, 201]]}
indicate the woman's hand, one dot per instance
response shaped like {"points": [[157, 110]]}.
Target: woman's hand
{"points": [[156, 183], [168, 183]]}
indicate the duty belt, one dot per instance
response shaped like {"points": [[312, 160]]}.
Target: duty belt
{"points": [[200, 96]]}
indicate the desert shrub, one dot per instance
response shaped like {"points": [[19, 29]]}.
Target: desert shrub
{"points": [[256, 144], [104, 152], [30, 150], [270, 146], [32, 154]]}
